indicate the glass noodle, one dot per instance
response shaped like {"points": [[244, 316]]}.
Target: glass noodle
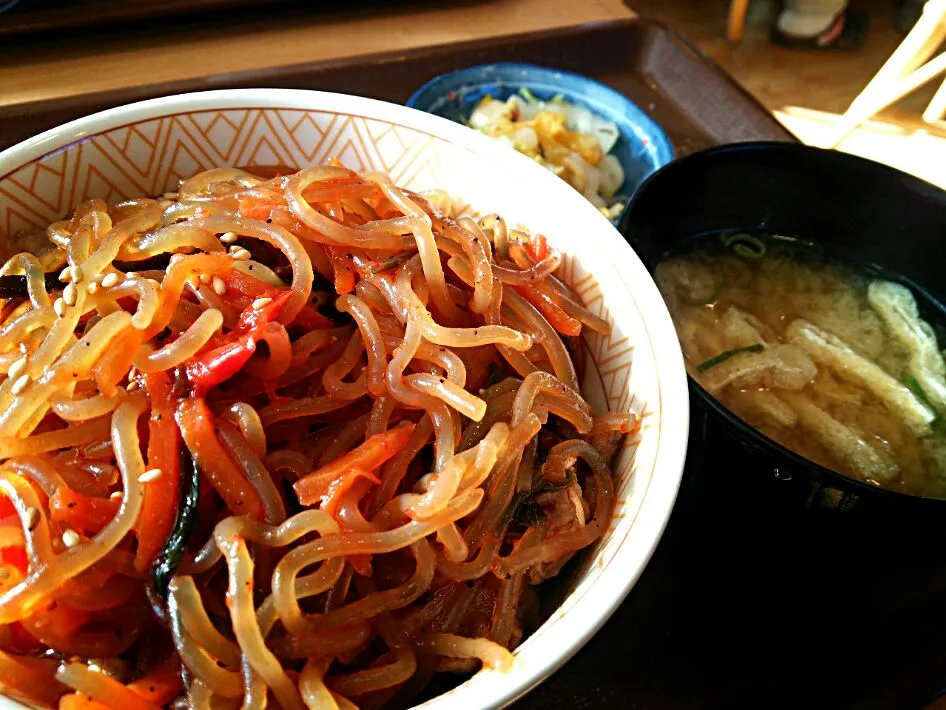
{"points": [[302, 439]]}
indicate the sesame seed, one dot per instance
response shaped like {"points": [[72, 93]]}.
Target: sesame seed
{"points": [[152, 474], [261, 302], [70, 538], [220, 286], [117, 495], [205, 278], [76, 273], [65, 274], [92, 287], [110, 279], [131, 385], [17, 368], [23, 349], [70, 294], [240, 254], [132, 373], [20, 384], [32, 518], [169, 195], [229, 237], [60, 307]]}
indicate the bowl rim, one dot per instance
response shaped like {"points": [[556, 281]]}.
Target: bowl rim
{"points": [[771, 447], [636, 115], [567, 632]]}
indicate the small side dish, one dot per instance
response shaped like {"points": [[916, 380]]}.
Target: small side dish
{"points": [[595, 138], [571, 141]]}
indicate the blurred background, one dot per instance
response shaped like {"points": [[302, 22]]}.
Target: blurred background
{"points": [[806, 90]]}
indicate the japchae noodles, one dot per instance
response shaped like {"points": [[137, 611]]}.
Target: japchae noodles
{"points": [[302, 439]]}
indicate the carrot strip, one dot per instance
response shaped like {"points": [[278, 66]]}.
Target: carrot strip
{"points": [[116, 591], [162, 683], [83, 513], [557, 318], [375, 451], [340, 486], [98, 634], [253, 208], [106, 690], [116, 362], [30, 678], [21, 642], [160, 501], [78, 701], [354, 484], [197, 427], [55, 624], [341, 189]]}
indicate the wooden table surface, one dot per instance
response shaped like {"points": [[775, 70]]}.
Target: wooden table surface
{"points": [[211, 50]]}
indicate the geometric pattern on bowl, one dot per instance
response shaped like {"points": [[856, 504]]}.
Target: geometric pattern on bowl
{"points": [[151, 155]]}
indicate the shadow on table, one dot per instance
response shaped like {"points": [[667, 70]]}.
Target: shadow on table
{"points": [[746, 606]]}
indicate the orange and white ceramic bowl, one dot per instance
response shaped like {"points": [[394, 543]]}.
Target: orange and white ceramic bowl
{"points": [[146, 148]]}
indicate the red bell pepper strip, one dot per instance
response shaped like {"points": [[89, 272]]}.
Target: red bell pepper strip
{"points": [[252, 320], [310, 319], [220, 363], [16, 556], [243, 289]]}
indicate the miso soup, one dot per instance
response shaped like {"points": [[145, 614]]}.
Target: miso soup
{"points": [[832, 362]]}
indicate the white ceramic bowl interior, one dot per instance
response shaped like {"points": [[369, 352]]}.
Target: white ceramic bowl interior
{"points": [[146, 148]]}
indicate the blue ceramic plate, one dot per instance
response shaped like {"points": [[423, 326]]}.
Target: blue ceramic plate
{"points": [[642, 148]]}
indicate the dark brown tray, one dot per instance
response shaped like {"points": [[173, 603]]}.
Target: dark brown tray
{"points": [[737, 608], [33, 16], [695, 101]]}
